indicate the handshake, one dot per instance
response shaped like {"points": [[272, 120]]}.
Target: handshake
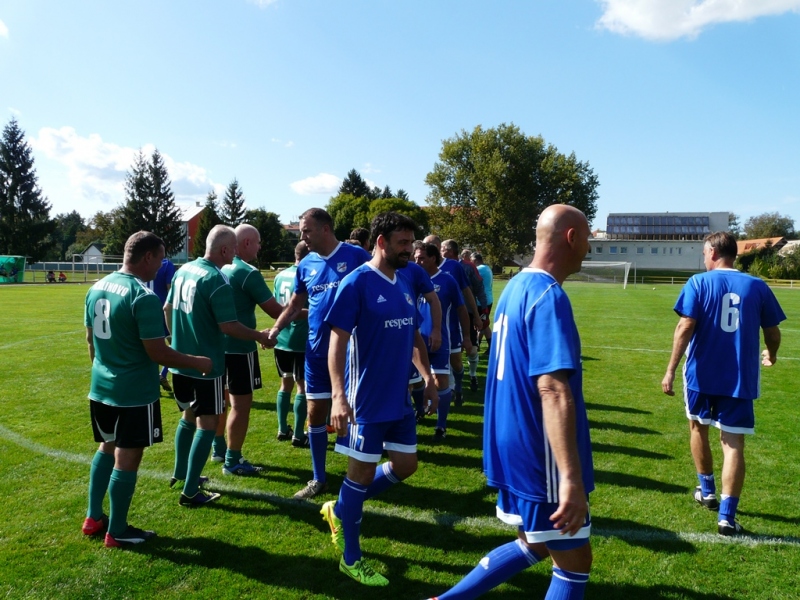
{"points": [[268, 338]]}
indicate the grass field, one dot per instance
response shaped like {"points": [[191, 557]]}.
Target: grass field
{"points": [[650, 540]]}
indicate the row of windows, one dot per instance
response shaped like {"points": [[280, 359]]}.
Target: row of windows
{"points": [[656, 220], [658, 229], [639, 250]]}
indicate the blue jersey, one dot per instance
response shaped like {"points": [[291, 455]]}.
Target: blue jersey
{"points": [[450, 298], [381, 313], [730, 308], [319, 276], [162, 281], [534, 334], [453, 268], [418, 278]]}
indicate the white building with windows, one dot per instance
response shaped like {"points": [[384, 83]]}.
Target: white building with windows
{"points": [[669, 241]]}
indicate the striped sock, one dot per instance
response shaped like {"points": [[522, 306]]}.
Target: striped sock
{"points": [[351, 509], [318, 438], [566, 585], [384, 479]]}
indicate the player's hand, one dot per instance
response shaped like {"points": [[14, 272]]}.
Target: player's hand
{"points": [[430, 397], [269, 339], [572, 507], [341, 413], [435, 339], [768, 360], [468, 347], [477, 322], [204, 365], [666, 383]]}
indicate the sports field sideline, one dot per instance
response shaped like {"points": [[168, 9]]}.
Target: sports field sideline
{"points": [[650, 539]]}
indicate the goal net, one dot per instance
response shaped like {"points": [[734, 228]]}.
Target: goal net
{"points": [[596, 271]]}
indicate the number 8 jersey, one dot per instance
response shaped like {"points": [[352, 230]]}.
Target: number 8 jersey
{"points": [[730, 309]]}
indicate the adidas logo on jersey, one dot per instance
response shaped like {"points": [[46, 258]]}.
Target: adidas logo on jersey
{"points": [[381, 299], [313, 272]]}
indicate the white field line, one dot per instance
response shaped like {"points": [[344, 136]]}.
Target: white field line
{"points": [[423, 516], [624, 349], [40, 337]]}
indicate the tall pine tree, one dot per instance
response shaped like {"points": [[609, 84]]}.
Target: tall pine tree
{"points": [[232, 210], [208, 219], [25, 225], [168, 223]]}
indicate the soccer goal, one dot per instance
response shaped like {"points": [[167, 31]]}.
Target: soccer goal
{"points": [[598, 271]]}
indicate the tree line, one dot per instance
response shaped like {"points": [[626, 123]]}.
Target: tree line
{"points": [[487, 189]]}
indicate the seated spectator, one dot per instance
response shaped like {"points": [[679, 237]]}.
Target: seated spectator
{"points": [[61, 277], [51, 277]]}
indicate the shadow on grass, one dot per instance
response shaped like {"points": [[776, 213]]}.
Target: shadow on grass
{"points": [[636, 481], [623, 428], [620, 409], [638, 452], [584, 358], [447, 459], [768, 517], [655, 539]]}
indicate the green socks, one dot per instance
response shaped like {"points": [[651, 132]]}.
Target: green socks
{"points": [[300, 414], [99, 476], [198, 455], [183, 444], [120, 494], [282, 406]]}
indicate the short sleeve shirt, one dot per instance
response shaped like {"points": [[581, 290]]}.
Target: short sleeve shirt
{"points": [[163, 279], [249, 290], [450, 298], [534, 335], [730, 308], [319, 277], [122, 312], [294, 337], [381, 313], [486, 275], [201, 300]]}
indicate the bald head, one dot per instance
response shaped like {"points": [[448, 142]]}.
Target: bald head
{"points": [[248, 242], [562, 240], [555, 220], [221, 245], [433, 239]]}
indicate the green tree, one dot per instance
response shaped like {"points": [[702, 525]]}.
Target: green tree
{"points": [[734, 225], [490, 185], [232, 208], [348, 212], [404, 207], [208, 219], [274, 240], [769, 224], [25, 225], [354, 185], [168, 218], [68, 225]]}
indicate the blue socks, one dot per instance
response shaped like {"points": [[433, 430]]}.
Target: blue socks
{"points": [[318, 438], [727, 508], [498, 566], [350, 509], [566, 585], [445, 396], [707, 484], [384, 479]]}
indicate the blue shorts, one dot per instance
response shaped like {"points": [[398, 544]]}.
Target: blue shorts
{"points": [[533, 519], [455, 339], [366, 442], [318, 379], [440, 361], [414, 375], [733, 415]]}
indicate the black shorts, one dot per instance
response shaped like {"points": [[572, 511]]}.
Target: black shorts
{"points": [[203, 396], [473, 333], [290, 364], [243, 373], [126, 426]]}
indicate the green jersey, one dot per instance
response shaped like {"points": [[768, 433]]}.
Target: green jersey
{"points": [[294, 337], [201, 299], [249, 290], [122, 312]]}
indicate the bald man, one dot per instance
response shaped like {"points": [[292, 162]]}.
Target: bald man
{"points": [[200, 311], [536, 435], [242, 369]]}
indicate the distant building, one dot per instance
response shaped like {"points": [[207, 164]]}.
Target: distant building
{"points": [[293, 231], [669, 241], [93, 254], [189, 222], [745, 246]]}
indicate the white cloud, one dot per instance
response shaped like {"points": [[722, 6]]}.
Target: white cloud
{"points": [[288, 144], [262, 3], [324, 183], [3, 30], [96, 171], [665, 20], [15, 111], [368, 168]]}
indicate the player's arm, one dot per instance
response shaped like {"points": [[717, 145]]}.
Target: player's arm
{"points": [[90, 343], [436, 319], [558, 414], [291, 312], [242, 332], [168, 317], [341, 411], [161, 354], [472, 308], [772, 340], [463, 319], [419, 357], [680, 341]]}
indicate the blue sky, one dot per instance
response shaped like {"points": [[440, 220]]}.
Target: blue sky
{"points": [[681, 105]]}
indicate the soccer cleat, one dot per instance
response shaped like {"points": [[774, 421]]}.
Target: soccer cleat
{"points": [[95, 527], [335, 523], [458, 399], [473, 384], [363, 573], [302, 442], [201, 498], [129, 537], [285, 437], [165, 385], [216, 457], [313, 489], [439, 434], [727, 529], [243, 468], [710, 501], [330, 429], [173, 482], [420, 417]]}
